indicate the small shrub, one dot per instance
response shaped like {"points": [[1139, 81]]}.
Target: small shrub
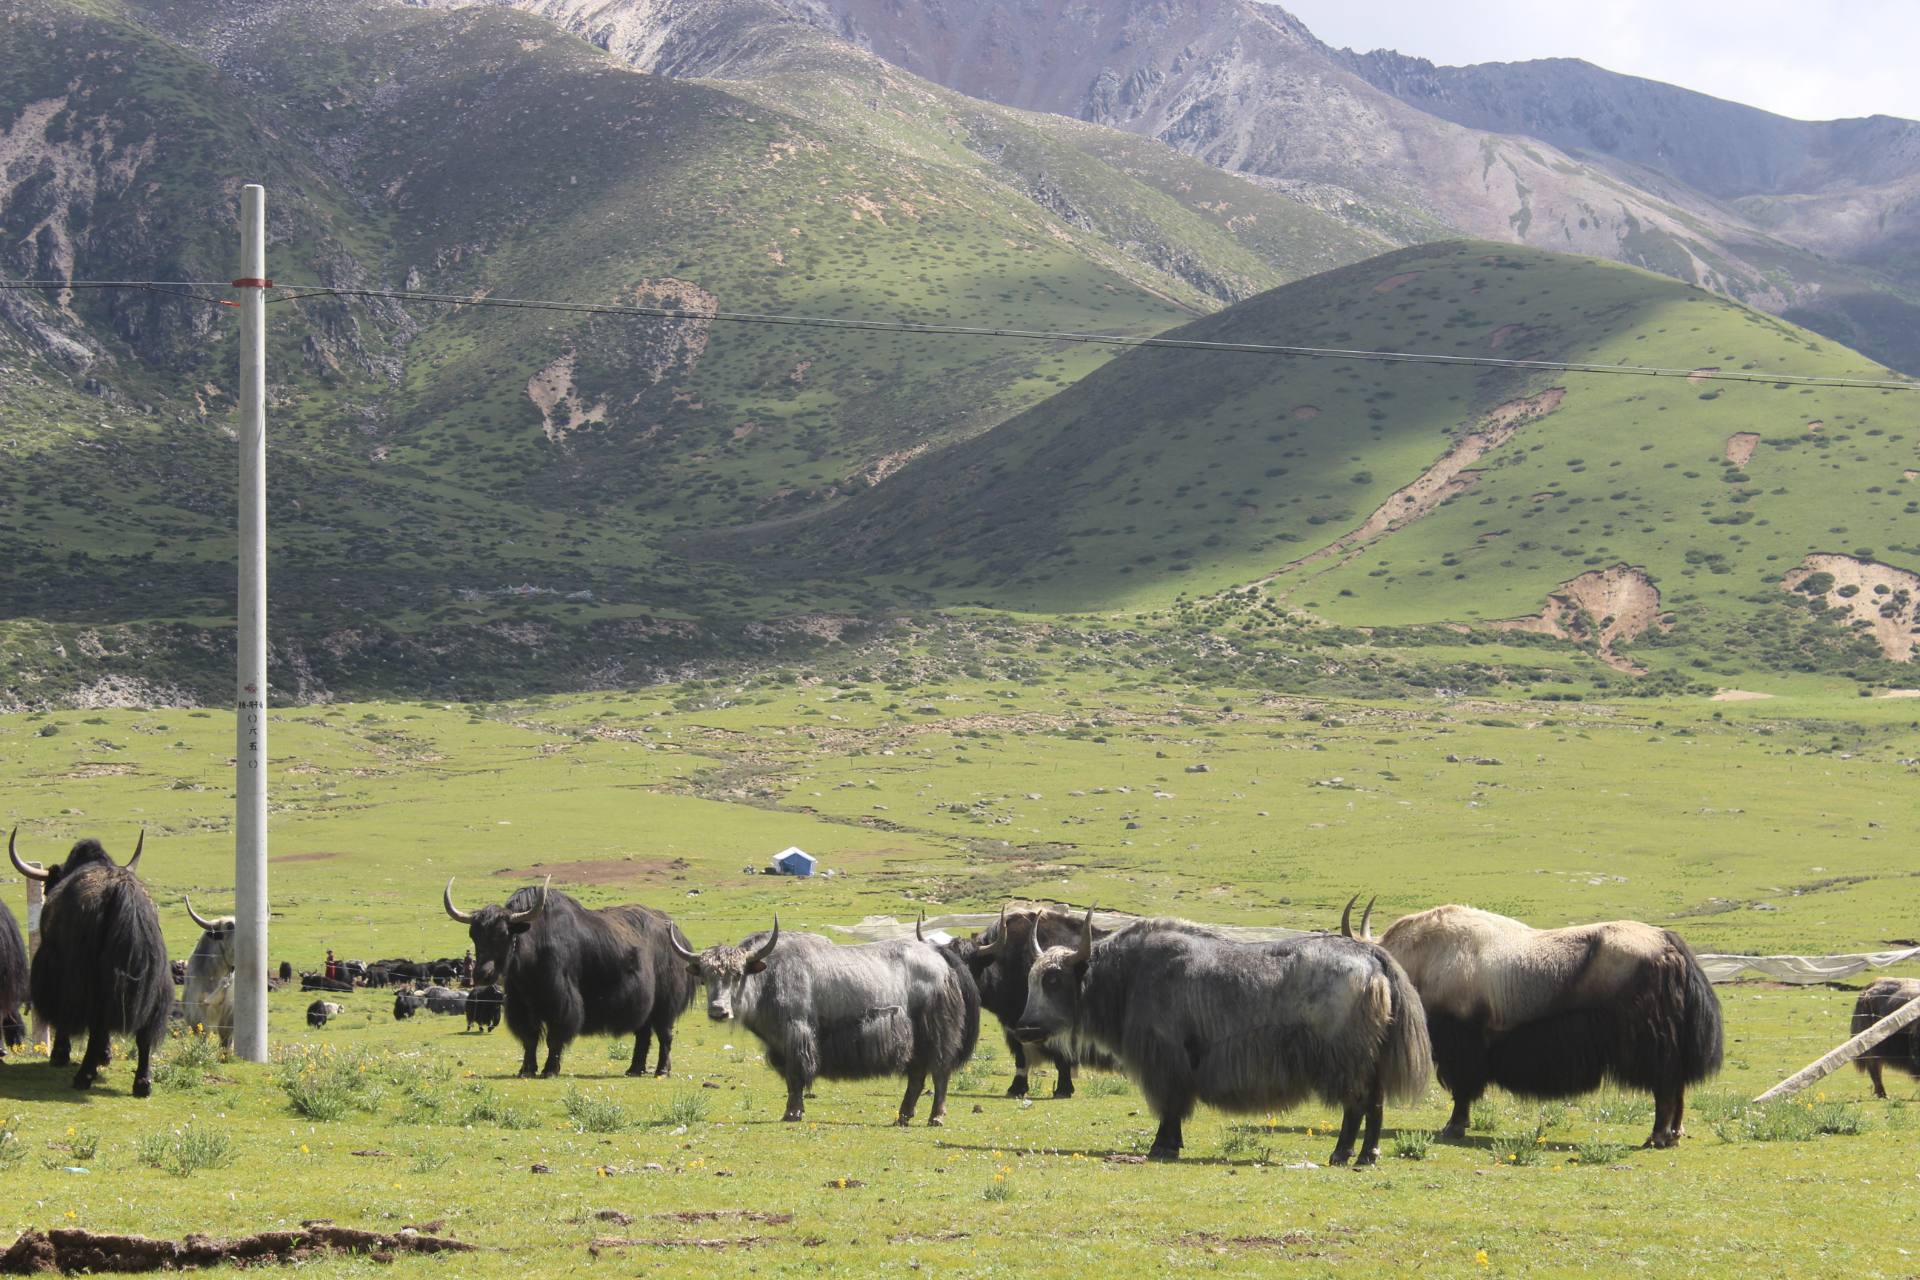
{"points": [[593, 1114], [488, 1107], [185, 1150], [1412, 1144], [997, 1192], [1520, 1149], [684, 1108], [427, 1159], [186, 1066], [1597, 1151], [1102, 1086], [83, 1146], [12, 1149]]}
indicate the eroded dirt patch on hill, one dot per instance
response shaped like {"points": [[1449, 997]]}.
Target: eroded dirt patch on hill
{"points": [[1445, 478], [1504, 334], [553, 394], [1395, 281], [1604, 607], [1880, 599], [1740, 447]]}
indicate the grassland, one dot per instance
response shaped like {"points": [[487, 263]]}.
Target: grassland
{"points": [[1776, 825]]}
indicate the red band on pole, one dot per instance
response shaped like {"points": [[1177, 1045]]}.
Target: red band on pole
{"points": [[252, 282]]}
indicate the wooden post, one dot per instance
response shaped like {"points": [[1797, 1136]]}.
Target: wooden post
{"points": [[1840, 1057]]}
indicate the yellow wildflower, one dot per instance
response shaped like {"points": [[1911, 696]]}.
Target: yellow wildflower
{"points": [[1480, 1258]]}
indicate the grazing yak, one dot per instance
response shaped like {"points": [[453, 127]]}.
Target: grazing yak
{"points": [[845, 1013], [13, 982], [320, 1010], [569, 971], [1001, 974], [406, 1003], [1550, 1013], [1901, 1050], [102, 964], [483, 1007], [321, 982], [209, 981], [1244, 1026]]}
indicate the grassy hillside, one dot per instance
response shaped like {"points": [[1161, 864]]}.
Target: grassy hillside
{"points": [[1176, 473]]}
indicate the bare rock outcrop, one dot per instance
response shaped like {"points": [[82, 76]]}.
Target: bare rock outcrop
{"points": [[1881, 599]]}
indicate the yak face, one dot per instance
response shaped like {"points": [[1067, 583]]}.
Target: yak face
{"points": [[724, 970], [495, 930], [216, 940], [1053, 986]]}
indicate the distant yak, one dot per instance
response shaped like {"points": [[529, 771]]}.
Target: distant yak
{"points": [[1901, 1050]]}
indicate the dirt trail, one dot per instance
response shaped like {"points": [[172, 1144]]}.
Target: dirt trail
{"points": [[1886, 599], [1607, 606], [1446, 477]]}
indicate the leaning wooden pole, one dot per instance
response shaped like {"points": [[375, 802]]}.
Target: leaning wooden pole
{"points": [[1840, 1057], [250, 739]]}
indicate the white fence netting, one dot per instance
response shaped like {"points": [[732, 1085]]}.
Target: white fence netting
{"points": [[1797, 970]]}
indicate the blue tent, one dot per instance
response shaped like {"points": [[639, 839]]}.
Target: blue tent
{"points": [[793, 861]]}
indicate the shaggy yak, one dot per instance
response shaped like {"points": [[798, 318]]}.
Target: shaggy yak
{"points": [[846, 1013], [1001, 974], [571, 971], [1550, 1013], [102, 964], [1243, 1026], [1901, 1050], [13, 982]]}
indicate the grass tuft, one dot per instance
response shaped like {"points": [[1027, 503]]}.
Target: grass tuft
{"points": [[591, 1113], [185, 1151], [1413, 1144]]}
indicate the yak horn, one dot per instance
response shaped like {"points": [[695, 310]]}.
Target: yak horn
{"points": [[1366, 933], [991, 948], [766, 950], [533, 912], [133, 863], [464, 917], [1086, 939], [207, 925], [1033, 936], [1346, 917], [917, 933], [684, 952], [27, 869]]}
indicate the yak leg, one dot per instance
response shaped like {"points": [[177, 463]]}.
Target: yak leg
{"points": [[530, 1056], [1349, 1126], [1662, 1135], [1167, 1142], [1873, 1072], [663, 1031], [1063, 1074], [803, 1064], [938, 1116], [916, 1081], [642, 1041], [563, 1024], [1018, 1089], [1456, 1125], [143, 1065], [1370, 1145], [62, 1054], [98, 1037]]}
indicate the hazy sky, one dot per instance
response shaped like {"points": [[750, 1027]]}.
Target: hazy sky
{"points": [[1813, 60]]}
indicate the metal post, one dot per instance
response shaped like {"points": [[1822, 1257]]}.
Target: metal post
{"points": [[250, 750], [36, 901]]}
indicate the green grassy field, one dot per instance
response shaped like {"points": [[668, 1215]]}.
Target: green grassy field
{"points": [[1778, 825]]}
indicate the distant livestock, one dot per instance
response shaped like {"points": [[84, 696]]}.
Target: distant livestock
{"points": [[569, 971], [13, 982], [209, 1008], [321, 982], [320, 1010], [102, 964], [407, 1003], [1901, 1050], [483, 1007], [1001, 974], [1551, 1013], [1244, 1026], [845, 1013], [444, 1000]]}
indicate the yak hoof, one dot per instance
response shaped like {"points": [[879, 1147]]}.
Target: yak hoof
{"points": [[83, 1080], [794, 1116], [1339, 1156], [60, 1060], [549, 1073], [1366, 1159], [1452, 1132], [636, 1071], [1658, 1142], [143, 1088], [905, 1118], [1163, 1153], [663, 1071], [1063, 1090], [1018, 1089], [527, 1073], [937, 1121]]}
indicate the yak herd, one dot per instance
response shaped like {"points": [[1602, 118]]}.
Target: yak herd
{"points": [[1193, 1017]]}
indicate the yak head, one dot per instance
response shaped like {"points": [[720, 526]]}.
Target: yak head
{"points": [[1054, 977], [725, 969], [494, 930], [85, 853], [220, 930]]}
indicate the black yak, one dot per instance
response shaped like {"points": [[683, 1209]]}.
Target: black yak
{"points": [[1001, 974], [483, 1008], [897, 1007], [320, 1010], [1550, 1013], [13, 982], [1901, 1050], [102, 964], [569, 971], [1244, 1026], [406, 1003]]}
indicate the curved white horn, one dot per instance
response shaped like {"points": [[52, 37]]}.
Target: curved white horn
{"points": [[205, 924], [533, 912], [464, 917], [766, 949], [1346, 917], [684, 952], [133, 863], [1033, 937], [1366, 933], [917, 931], [1086, 939], [992, 948], [28, 870]]}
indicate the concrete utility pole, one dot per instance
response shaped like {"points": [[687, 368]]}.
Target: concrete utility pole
{"points": [[250, 748]]}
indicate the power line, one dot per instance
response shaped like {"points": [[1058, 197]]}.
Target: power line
{"points": [[297, 293]]}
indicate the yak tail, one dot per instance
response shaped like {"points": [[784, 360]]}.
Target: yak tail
{"points": [[1701, 1041], [1406, 1055]]}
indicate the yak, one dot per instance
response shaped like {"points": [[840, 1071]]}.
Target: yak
{"points": [[407, 1003], [483, 1007], [846, 1013], [102, 964], [570, 971], [1001, 974], [1901, 1050], [320, 1010], [13, 982], [1550, 1013], [321, 982], [209, 979], [1244, 1026]]}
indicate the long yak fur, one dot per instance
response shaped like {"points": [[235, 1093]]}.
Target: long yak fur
{"points": [[13, 982], [1901, 1050], [1551, 1013], [1002, 978]]}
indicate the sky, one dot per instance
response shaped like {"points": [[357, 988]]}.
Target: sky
{"points": [[1816, 60]]}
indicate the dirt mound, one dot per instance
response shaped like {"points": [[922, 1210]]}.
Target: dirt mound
{"points": [[1740, 447], [1395, 281], [71, 1249], [1605, 606], [1305, 411], [1738, 695], [1503, 334], [1882, 600], [601, 870]]}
